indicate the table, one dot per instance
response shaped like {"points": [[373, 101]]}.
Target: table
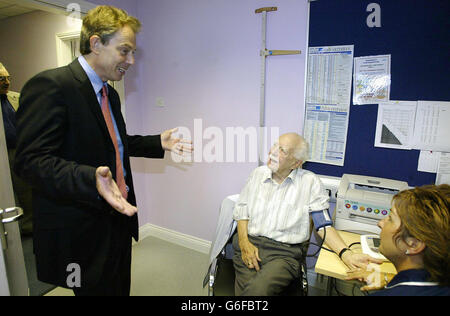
{"points": [[329, 263]]}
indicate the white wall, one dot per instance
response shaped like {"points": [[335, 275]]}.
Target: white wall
{"points": [[202, 58], [29, 44]]}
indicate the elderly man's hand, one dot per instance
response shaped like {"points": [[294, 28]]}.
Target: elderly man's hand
{"points": [[250, 255]]}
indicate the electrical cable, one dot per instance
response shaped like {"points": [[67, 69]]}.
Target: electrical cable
{"points": [[320, 246], [355, 243]]}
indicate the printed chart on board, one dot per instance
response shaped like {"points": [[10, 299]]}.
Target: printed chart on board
{"points": [[395, 124], [329, 81]]}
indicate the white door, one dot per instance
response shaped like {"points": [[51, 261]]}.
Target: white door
{"points": [[13, 275]]}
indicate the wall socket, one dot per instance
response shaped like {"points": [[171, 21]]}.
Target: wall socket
{"points": [[331, 184], [160, 102]]}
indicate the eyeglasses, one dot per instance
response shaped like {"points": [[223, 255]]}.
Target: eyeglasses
{"points": [[281, 149], [4, 78]]}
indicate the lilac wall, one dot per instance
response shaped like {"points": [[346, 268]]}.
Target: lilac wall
{"points": [[202, 58]]}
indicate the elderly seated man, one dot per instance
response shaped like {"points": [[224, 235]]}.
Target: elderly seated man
{"points": [[273, 215]]}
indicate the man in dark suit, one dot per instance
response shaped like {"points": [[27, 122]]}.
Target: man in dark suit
{"points": [[74, 150]]}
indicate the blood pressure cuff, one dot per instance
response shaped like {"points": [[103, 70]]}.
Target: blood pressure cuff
{"points": [[321, 219]]}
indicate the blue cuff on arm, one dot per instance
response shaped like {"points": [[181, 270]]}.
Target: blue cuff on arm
{"points": [[321, 219]]}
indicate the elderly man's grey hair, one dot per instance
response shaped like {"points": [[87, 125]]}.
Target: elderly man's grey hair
{"points": [[301, 149]]}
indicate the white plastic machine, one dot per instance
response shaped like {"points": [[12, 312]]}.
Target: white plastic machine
{"points": [[363, 201]]}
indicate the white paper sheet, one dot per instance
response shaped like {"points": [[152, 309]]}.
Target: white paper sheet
{"points": [[372, 79], [328, 92], [395, 124], [432, 126], [443, 174], [428, 161]]}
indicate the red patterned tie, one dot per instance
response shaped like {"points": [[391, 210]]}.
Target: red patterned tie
{"points": [[120, 180]]}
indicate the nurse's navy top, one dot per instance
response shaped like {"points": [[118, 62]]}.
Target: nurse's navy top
{"points": [[413, 283]]}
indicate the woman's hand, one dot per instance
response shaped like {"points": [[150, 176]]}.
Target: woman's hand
{"points": [[372, 276]]}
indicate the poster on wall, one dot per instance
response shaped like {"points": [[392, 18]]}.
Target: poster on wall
{"points": [[443, 172], [432, 128], [372, 79], [328, 92], [395, 124]]}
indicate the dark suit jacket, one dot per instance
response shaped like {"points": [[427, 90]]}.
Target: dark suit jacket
{"points": [[62, 139]]}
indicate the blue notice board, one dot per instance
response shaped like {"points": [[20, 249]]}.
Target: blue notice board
{"points": [[417, 36]]}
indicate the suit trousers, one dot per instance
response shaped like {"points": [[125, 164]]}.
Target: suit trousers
{"points": [[280, 264], [116, 275]]}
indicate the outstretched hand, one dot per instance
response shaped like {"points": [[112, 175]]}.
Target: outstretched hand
{"points": [[176, 145], [108, 190], [372, 276], [358, 260]]}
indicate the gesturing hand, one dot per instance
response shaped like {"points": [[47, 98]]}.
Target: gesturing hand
{"points": [[176, 145], [108, 189]]}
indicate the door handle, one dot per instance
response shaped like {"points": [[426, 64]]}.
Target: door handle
{"points": [[16, 213], [14, 218]]}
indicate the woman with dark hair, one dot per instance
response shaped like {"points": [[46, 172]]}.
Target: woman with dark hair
{"points": [[415, 237]]}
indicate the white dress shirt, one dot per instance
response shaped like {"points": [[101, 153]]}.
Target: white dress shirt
{"points": [[280, 211]]}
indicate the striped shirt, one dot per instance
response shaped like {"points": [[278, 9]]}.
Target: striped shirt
{"points": [[280, 211]]}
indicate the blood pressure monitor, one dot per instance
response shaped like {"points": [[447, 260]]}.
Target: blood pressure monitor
{"points": [[370, 246]]}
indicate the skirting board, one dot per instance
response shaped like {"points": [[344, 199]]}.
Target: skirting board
{"points": [[177, 238]]}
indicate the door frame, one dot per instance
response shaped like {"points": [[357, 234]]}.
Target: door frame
{"points": [[58, 6]]}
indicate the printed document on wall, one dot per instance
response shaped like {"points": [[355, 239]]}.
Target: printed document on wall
{"points": [[432, 128], [328, 92], [428, 161], [443, 173], [372, 79], [395, 124]]}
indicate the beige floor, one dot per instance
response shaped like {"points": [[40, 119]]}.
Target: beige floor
{"points": [[160, 268]]}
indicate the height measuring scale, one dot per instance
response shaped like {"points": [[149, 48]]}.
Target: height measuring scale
{"points": [[264, 53]]}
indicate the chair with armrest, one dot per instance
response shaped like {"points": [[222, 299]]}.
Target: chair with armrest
{"points": [[221, 275]]}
